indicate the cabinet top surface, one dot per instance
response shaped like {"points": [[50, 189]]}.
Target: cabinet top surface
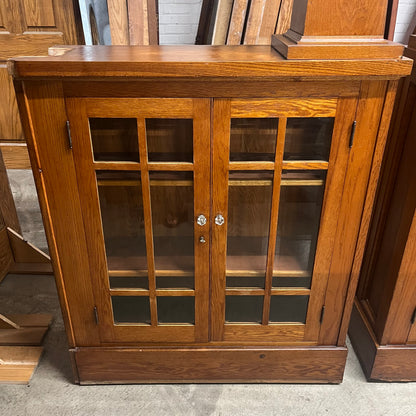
{"points": [[195, 62]]}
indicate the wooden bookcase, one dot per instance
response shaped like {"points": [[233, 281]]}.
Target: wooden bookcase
{"points": [[383, 329], [204, 210]]}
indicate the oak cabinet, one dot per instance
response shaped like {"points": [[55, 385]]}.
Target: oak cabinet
{"points": [[203, 219], [383, 328]]}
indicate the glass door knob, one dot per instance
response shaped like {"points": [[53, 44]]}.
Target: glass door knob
{"points": [[219, 219], [201, 220]]}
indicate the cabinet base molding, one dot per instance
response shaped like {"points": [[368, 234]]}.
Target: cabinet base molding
{"points": [[380, 362], [209, 365]]}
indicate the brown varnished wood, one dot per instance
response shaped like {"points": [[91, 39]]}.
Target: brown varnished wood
{"points": [[15, 155], [210, 365], [369, 204], [6, 255], [284, 108], [202, 61], [147, 213], [43, 135], [8, 213], [29, 27], [351, 90], [337, 29], [202, 205], [220, 162], [228, 88], [79, 111], [274, 217], [368, 118], [334, 188]]}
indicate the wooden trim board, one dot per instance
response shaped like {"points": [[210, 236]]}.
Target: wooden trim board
{"points": [[390, 363], [17, 364], [210, 365]]}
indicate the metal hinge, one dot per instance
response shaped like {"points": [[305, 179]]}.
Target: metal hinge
{"points": [[96, 315], [413, 319], [68, 129], [322, 314], [354, 125]]}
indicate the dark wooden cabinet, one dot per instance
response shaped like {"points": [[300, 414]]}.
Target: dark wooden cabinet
{"points": [[204, 208], [383, 329]]}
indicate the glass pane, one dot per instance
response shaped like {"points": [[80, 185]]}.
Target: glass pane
{"points": [[121, 208], [131, 309], [178, 282], [301, 198], [245, 281], [169, 140], [135, 282], [292, 281], [243, 308], [288, 308], [172, 200], [253, 139], [308, 138], [249, 205], [114, 139], [176, 309]]}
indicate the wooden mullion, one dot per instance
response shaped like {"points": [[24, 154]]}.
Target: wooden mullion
{"points": [[132, 166], [147, 212], [274, 217], [305, 165], [175, 292], [251, 166], [129, 292], [171, 166]]}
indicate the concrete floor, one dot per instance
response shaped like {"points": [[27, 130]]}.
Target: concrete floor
{"points": [[52, 392]]}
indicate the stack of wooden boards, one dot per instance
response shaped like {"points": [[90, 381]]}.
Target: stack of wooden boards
{"points": [[242, 22]]}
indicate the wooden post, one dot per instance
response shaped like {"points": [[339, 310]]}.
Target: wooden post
{"points": [[337, 29]]}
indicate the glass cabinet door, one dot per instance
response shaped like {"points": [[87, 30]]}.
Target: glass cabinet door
{"points": [[145, 193], [273, 167]]}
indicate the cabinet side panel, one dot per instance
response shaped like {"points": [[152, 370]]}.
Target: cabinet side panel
{"points": [[368, 118], [369, 204], [53, 167]]}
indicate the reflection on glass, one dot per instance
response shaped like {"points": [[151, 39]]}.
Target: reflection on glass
{"points": [[114, 139], [133, 282], [253, 139], [243, 308], [176, 309], [246, 281], [122, 217], [301, 198], [174, 282], [249, 208], [169, 140], [172, 201], [308, 138], [288, 308], [131, 309]]}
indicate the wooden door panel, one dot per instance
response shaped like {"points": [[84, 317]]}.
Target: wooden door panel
{"points": [[39, 13], [285, 164], [8, 107], [138, 206], [29, 28]]}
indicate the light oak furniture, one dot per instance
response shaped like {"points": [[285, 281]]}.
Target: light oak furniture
{"points": [[204, 205], [383, 329], [19, 333], [29, 27]]}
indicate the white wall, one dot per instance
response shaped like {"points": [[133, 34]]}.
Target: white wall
{"points": [[178, 21], [406, 20]]}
